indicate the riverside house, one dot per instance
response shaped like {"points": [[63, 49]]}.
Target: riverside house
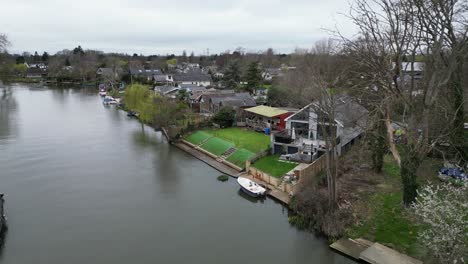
{"points": [[210, 103], [304, 131], [260, 117], [196, 77], [146, 74]]}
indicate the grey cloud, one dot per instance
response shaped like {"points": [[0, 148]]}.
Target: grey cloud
{"points": [[168, 26]]}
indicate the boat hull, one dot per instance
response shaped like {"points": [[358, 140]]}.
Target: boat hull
{"points": [[252, 194]]}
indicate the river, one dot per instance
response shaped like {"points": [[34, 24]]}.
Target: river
{"points": [[84, 183]]}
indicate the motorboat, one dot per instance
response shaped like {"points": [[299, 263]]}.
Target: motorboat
{"points": [[108, 100], [102, 92], [250, 187]]}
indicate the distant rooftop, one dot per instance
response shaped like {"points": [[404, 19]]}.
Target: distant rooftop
{"points": [[267, 111]]}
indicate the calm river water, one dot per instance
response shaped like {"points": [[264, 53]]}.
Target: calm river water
{"points": [[86, 184]]}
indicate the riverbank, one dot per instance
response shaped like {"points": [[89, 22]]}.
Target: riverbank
{"points": [[103, 176], [272, 192], [3, 223]]}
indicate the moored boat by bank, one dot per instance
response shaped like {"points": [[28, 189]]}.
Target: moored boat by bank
{"points": [[250, 187]]}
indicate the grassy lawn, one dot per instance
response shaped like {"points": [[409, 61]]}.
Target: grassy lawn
{"points": [[240, 156], [217, 146], [388, 224], [249, 140], [274, 167], [383, 217], [198, 137]]}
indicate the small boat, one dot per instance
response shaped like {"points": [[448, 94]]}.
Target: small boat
{"points": [[108, 100], [132, 114], [102, 92], [250, 187]]}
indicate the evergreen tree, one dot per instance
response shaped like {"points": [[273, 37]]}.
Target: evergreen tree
{"points": [[78, 50], [232, 76], [20, 60], [192, 57], [36, 57], [45, 57], [67, 62], [253, 78]]}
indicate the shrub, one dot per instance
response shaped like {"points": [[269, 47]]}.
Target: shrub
{"points": [[223, 178], [225, 117], [443, 210], [313, 213]]}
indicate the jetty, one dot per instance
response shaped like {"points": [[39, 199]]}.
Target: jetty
{"points": [[370, 252]]}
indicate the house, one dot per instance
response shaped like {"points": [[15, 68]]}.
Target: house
{"points": [[165, 79], [193, 77], [144, 73], [304, 134], [41, 65], [34, 73], [270, 73], [262, 116], [210, 103], [261, 94], [106, 72], [167, 91]]}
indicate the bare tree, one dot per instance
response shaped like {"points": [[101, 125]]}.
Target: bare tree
{"points": [[3, 43], [390, 31]]}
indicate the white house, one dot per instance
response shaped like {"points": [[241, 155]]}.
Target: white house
{"points": [[305, 130], [193, 77]]}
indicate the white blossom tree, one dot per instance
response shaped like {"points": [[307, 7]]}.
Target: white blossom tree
{"points": [[443, 210]]}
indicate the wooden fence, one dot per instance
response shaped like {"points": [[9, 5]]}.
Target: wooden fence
{"points": [[308, 175]]}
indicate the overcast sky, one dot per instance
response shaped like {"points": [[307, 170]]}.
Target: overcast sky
{"points": [[168, 26]]}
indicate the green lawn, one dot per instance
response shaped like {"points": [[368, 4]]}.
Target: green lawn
{"points": [[385, 220], [249, 140], [274, 167], [240, 156], [217, 146], [388, 224], [198, 137]]}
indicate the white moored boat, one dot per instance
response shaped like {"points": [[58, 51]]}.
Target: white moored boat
{"points": [[251, 187]]}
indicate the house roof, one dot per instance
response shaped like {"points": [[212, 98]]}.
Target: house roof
{"points": [[231, 99], [192, 76], [192, 87], [105, 71], [165, 89], [144, 72], [160, 77], [267, 111]]}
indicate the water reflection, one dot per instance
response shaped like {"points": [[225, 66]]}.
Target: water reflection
{"points": [[250, 198], [144, 137], [8, 108]]}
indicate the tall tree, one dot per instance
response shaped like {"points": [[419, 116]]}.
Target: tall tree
{"points": [[78, 50], [192, 57], [20, 60], [253, 77], [392, 31], [184, 56], [36, 57], [232, 76], [3, 43], [45, 57]]}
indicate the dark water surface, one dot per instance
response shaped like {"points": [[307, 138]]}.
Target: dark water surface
{"points": [[86, 184]]}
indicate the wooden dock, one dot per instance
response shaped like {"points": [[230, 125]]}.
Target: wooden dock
{"points": [[375, 253]]}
